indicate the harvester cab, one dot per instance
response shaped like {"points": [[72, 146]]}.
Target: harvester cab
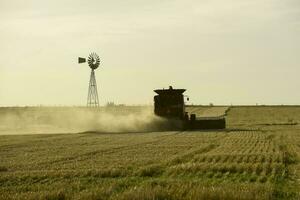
{"points": [[169, 103]]}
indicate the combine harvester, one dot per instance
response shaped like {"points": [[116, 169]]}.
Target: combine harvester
{"points": [[169, 103]]}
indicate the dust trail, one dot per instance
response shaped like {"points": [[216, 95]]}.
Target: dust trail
{"points": [[33, 120]]}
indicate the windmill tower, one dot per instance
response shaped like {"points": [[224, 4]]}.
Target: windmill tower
{"points": [[94, 62]]}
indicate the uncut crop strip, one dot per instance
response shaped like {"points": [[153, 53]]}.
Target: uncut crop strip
{"points": [[262, 116]]}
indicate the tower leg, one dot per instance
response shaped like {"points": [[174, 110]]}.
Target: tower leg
{"points": [[92, 100]]}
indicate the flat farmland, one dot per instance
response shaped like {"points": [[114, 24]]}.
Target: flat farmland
{"points": [[256, 157]]}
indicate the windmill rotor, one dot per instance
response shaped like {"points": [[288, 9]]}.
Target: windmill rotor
{"points": [[93, 61]]}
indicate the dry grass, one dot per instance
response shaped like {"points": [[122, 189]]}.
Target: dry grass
{"points": [[256, 159]]}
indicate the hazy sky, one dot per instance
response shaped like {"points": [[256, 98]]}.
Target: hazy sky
{"points": [[233, 51]]}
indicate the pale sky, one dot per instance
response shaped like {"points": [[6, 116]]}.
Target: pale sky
{"points": [[224, 52]]}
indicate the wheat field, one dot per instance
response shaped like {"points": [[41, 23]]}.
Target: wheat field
{"points": [[256, 157]]}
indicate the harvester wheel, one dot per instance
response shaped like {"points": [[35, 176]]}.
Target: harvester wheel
{"points": [[193, 117]]}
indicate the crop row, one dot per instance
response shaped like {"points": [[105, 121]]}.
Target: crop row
{"points": [[239, 158], [217, 170]]}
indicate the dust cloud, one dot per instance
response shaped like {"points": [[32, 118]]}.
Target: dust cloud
{"points": [[38, 120]]}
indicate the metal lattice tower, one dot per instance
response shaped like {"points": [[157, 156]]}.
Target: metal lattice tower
{"points": [[92, 100], [94, 62]]}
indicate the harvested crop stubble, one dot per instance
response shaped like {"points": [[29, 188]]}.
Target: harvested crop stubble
{"points": [[247, 161]]}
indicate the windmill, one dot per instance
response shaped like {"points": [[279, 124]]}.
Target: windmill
{"points": [[94, 62]]}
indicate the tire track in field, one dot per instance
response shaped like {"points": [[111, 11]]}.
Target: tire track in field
{"points": [[186, 157], [165, 167]]}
